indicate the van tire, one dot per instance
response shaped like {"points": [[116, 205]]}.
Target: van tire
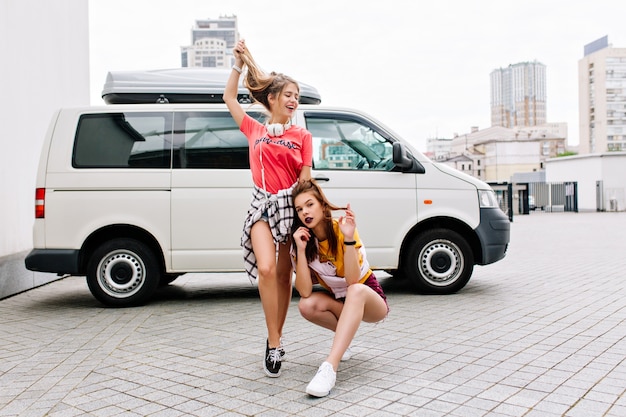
{"points": [[123, 273], [439, 261]]}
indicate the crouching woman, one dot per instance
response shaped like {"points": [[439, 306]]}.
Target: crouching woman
{"points": [[329, 252]]}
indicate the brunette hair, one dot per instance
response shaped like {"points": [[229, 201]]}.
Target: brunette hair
{"points": [[310, 186], [260, 84]]}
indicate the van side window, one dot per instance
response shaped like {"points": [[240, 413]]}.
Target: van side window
{"points": [[209, 140], [123, 140], [348, 144]]}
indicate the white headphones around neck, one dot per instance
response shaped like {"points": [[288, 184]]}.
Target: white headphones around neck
{"points": [[277, 129]]}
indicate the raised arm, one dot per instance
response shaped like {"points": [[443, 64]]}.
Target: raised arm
{"points": [[347, 225], [232, 85]]}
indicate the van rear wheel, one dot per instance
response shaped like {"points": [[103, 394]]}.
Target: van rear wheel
{"points": [[123, 273], [439, 261]]}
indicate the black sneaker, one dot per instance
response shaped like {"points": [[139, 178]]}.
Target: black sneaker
{"points": [[272, 363]]}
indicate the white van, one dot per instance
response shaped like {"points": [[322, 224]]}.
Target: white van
{"points": [[134, 195]]}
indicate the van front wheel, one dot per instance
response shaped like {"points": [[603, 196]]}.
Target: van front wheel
{"points": [[439, 261], [123, 273]]}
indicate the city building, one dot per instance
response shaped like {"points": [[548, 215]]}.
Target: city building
{"points": [[212, 41], [497, 153], [519, 139], [602, 98], [518, 95], [466, 164], [438, 148]]}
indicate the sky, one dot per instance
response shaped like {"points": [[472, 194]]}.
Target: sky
{"points": [[420, 67]]}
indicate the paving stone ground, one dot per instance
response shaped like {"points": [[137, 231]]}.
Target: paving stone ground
{"points": [[540, 333]]}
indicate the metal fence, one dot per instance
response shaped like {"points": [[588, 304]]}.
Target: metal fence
{"points": [[522, 198], [561, 196]]}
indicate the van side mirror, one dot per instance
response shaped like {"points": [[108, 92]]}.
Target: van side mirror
{"points": [[404, 161]]}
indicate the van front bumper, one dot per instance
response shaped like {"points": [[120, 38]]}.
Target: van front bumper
{"points": [[60, 261], [494, 232]]}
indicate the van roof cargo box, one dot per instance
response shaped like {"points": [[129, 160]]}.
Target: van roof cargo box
{"points": [[179, 85]]}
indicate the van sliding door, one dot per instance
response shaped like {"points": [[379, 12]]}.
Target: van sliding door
{"points": [[211, 191]]}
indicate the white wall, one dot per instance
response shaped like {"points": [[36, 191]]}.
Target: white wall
{"points": [[610, 168], [44, 46], [614, 175]]}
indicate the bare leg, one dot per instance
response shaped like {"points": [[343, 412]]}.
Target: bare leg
{"points": [[322, 309], [284, 275], [265, 252], [361, 304]]}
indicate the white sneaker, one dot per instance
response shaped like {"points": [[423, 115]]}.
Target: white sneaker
{"points": [[323, 381], [346, 355]]}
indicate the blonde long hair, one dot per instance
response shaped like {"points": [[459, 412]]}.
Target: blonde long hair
{"points": [[260, 84]]}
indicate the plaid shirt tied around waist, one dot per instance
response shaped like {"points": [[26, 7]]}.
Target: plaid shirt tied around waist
{"points": [[280, 213]]}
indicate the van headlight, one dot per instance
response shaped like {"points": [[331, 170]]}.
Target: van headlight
{"points": [[487, 199]]}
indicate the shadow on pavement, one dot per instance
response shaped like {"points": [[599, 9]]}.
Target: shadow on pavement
{"points": [[73, 293]]}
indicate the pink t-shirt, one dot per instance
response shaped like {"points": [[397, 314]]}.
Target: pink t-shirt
{"points": [[283, 156]]}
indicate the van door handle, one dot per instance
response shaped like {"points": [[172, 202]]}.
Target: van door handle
{"points": [[318, 178]]}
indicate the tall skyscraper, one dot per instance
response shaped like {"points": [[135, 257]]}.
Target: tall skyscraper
{"points": [[602, 98], [212, 43], [518, 95]]}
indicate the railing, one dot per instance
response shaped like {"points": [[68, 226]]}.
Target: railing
{"points": [[522, 198]]}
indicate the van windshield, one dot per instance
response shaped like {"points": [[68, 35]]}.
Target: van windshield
{"points": [[348, 144]]}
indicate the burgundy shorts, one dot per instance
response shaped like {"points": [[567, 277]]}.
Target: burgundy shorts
{"points": [[373, 283]]}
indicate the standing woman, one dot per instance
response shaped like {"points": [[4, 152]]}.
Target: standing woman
{"points": [[280, 155], [329, 252]]}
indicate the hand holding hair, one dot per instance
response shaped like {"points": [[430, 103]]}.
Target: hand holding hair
{"points": [[239, 49], [347, 223]]}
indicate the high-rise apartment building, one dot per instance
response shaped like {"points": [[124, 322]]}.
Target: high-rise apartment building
{"points": [[518, 95], [212, 43], [602, 98]]}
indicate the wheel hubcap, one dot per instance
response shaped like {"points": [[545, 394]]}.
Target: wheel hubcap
{"points": [[121, 273], [440, 262]]}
